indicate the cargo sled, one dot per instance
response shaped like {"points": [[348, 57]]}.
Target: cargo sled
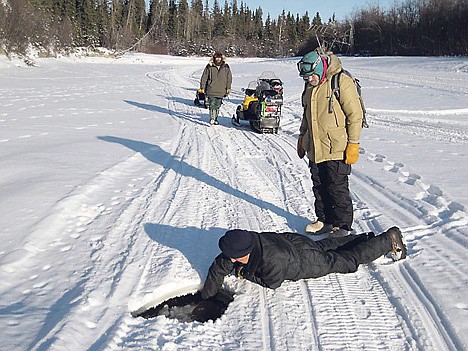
{"points": [[200, 99]]}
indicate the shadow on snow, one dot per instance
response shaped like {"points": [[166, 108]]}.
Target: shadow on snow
{"points": [[157, 155]]}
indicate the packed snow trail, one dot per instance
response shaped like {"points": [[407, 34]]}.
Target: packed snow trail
{"points": [[297, 315], [146, 227]]}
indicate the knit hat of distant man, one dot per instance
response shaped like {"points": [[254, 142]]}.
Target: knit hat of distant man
{"points": [[218, 54], [236, 243]]}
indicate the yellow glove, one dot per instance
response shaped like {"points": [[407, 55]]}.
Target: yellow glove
{"points": [[200, 91], [228, 91], [351, 153]]}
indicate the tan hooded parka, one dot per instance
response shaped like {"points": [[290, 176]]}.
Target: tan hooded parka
{"points": [[331, 132]]}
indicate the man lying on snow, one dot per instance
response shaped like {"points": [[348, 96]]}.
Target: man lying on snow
{"points": [[269, 259]]}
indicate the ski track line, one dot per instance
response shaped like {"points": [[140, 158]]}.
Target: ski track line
{"points": [[351, 310], [311, 315], [419, 311], [350, 307], [268, 328], [392, 198], [291, 318], [112, 253], [442, 85], [293, 175], [145, 200], [373, 191], [421, 128], [222, 160], [281, 316], [283, 176], [274, 325], [164, 211], [429, 202], [423, 315], [268, 341], [182, 143]]}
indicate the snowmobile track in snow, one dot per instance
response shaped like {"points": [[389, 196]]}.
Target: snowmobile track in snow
{"points": [[317, 314], [215, 178]]}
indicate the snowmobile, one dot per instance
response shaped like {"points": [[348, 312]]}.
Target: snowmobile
{"points": [[200, 99], [262, 104]]}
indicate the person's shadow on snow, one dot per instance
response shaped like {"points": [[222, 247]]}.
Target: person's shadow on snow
{"points": [[157, 155], [202, 118], [199, 246], [182, 100]]}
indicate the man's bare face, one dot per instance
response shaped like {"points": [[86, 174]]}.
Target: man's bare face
{"points": [[313, 80], [242, 260]]}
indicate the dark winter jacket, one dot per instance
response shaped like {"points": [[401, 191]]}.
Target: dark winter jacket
{"points": [[216, 80], [327, 134], [277, 257], [274, 259]]}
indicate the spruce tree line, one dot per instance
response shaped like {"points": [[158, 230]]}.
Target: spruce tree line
{"points": [[414, 27]]}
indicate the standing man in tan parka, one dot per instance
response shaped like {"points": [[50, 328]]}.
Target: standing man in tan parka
{"points": [[329, 134]]}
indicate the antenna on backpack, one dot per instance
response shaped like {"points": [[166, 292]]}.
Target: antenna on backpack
{"points": [[332, 35], [321, 49]]}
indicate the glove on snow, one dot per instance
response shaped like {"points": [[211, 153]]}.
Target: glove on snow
{"points": [[224, 297], [352, 153], [240, 272]]}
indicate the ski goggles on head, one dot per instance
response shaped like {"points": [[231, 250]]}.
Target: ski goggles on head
{"points": [[307, 68]]}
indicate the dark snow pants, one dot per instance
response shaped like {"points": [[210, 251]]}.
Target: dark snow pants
{"points": [[330, 186], [341, 255]]}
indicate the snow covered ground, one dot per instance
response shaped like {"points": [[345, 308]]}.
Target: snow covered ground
{"points": [[114, 191]]}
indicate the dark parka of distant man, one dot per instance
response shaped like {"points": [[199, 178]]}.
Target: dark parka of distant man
{"points": [[216, 83]]}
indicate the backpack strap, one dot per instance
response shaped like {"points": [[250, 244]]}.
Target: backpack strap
{"points": [[303, 93], [335, 86]]}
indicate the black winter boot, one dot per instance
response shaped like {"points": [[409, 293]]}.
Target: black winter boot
{"points": [[398, 251]]}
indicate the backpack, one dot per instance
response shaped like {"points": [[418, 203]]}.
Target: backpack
{"points": [[335, 85]]}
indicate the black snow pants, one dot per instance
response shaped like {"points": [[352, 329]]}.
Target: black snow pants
{"points": [[341, 255], [330, 186]]}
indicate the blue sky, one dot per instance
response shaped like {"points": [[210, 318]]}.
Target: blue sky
{"points": [[326, 8]]}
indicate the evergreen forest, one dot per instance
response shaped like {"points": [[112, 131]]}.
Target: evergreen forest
{"points": [[183, 27]]}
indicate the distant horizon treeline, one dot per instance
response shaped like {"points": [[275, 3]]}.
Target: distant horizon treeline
{"points": [[412, 27]]}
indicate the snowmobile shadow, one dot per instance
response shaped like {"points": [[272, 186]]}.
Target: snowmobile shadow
{"points": [[168, 112], [157, 155], [190, 308]]}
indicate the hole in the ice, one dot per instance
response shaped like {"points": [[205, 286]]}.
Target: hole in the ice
{"points": [[191, 307]]}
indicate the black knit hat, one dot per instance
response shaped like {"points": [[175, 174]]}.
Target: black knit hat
{"points": [[236, 243]]}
